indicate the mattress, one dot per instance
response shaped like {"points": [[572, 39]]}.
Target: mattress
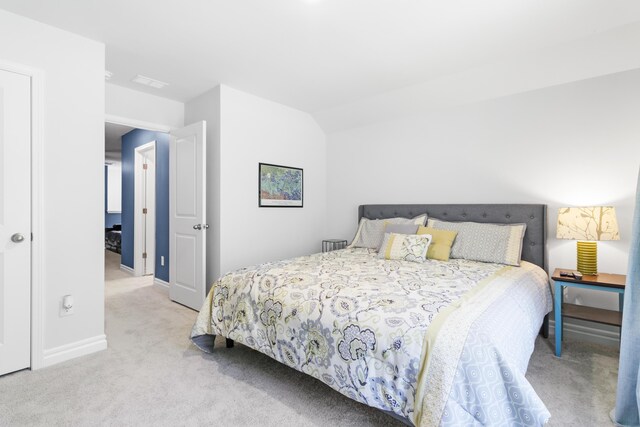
{"points": [[436, 343]]}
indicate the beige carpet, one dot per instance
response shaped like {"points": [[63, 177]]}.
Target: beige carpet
{"points": [[152, 375]]}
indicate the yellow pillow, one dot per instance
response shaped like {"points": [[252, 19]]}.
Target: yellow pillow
{"points": [[441, 242]]}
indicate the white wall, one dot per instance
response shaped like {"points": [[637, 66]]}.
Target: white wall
{"points": [[256, 130], [207, 107], [574, 144], [131, 104], [242, 131], [73, 177]]}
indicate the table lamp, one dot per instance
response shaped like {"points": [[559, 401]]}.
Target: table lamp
{"points": [[587, 225]]}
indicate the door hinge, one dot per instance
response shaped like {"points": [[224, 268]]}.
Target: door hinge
{"points": [[144, 211], [144, 166], [144, 255]]}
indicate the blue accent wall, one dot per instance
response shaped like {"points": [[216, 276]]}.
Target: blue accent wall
{"points": [[130, 142], [109, 218]]}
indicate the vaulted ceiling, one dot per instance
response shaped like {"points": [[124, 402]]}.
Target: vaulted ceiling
{"points": [[338, 59]]}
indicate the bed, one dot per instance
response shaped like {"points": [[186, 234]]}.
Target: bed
{"points": [[113, 238], [439, 343]]}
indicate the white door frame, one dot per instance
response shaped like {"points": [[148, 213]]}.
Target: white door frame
{"points": [[37, 208], [140, 239], [138, 124]]}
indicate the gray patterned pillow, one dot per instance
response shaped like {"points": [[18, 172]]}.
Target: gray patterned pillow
{"points": [[371, 231], [499, 243]]}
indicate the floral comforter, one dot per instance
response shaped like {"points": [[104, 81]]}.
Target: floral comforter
{"points": [[438, 343]]}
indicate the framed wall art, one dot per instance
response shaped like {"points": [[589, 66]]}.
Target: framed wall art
{"points": [[279, 186]]}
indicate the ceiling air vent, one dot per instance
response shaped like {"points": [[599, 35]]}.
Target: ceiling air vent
{"points": [[148, 81]]}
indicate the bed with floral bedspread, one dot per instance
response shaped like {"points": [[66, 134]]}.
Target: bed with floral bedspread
{"points": [[436, 343]]}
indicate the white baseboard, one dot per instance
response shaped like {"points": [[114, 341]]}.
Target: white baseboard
{"points": [[161, 284], [76, 349], [592, 334], [127, 269]]}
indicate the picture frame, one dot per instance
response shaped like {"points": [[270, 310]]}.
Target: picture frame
{"points": [[280, 186]]}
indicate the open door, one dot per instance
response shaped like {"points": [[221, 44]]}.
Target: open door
{"points": [[187, 213]]}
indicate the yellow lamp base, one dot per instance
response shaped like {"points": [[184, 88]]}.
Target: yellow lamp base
{"points": [[588, 257]]}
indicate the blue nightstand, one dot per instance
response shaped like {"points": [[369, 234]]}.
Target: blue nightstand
{"points": [[600, 282]]}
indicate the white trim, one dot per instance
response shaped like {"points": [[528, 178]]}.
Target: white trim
{"points": [[37, 208], [587, 333], [75, 349], [139, 124], [37, 221], [161, 284], [139, 236], [127, 269]]}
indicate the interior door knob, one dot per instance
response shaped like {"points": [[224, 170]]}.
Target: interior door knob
{"points": [[197, 227], [17, 238]]}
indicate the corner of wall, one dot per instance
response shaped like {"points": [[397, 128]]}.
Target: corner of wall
{"points": [[71, 94], [207, 107]]}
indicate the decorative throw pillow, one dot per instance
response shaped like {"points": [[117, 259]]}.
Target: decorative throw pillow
{"points": [[441, 242], [371, 231], [407, 247], [499, 243]]}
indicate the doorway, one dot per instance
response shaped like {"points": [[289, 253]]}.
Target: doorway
{"points": [[144, 219], [145, 210], [150, 236]]}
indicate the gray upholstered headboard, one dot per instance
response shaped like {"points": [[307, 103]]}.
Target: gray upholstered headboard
{"points": [[535, 216]]}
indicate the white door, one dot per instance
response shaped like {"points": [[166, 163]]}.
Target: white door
{"points": [[15, 222], [144, 242], [187, 213]]}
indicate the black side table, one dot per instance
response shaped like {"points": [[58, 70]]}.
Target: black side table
{"points": [[333, 244]]}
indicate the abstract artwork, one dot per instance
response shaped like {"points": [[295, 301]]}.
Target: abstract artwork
{"points": [[279, 186]]}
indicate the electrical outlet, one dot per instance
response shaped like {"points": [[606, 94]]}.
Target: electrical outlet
{"points": [[162, 261], [67, 306]]}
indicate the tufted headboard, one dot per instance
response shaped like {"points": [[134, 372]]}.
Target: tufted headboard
{"points": [[535, 216]]}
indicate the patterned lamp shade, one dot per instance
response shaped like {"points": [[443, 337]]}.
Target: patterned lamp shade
{"points": [[588, 225]]}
